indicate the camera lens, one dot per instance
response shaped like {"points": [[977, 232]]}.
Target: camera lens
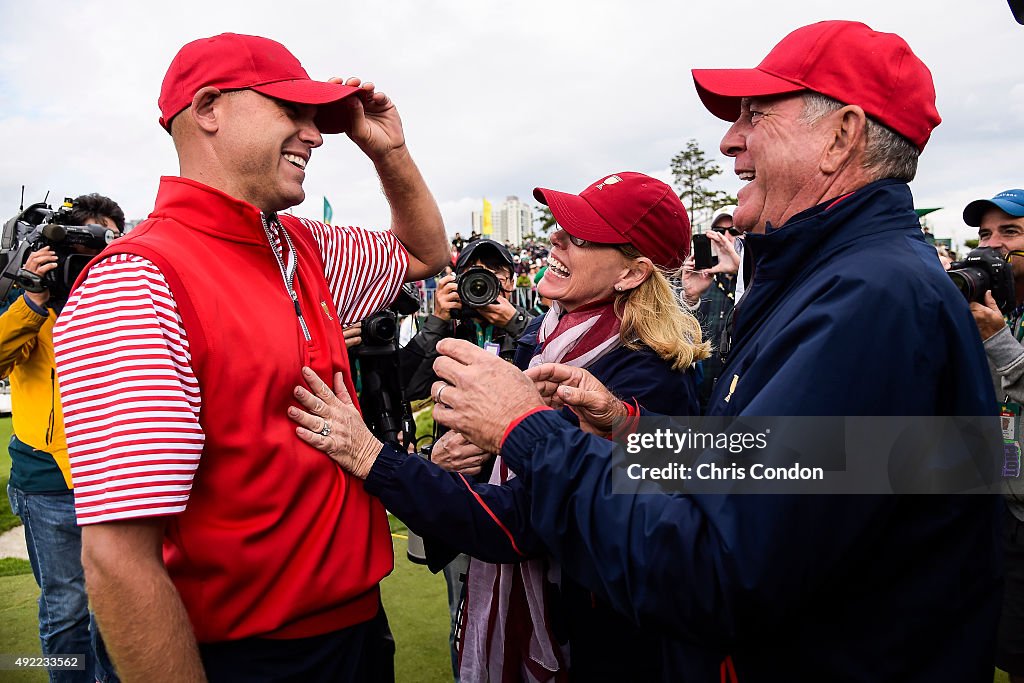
{"points": [[972, 282], [381, 329], [478, 287]]}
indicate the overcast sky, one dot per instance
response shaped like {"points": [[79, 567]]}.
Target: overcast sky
{"points": [[496, 98]]}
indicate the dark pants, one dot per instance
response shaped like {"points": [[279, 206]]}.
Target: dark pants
{"points": [[1010, 651], [55, 553], [361, 653]]}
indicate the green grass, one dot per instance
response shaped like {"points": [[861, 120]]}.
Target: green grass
{"points": [[13, 566], [8, 520], [19, 629], [417, 605]]}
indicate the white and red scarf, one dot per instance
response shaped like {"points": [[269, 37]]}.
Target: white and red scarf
{"points": [[507, 634], [577, 338]]}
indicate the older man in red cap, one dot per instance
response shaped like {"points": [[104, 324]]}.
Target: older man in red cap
{"points": [[848, 314], [215, 544]]}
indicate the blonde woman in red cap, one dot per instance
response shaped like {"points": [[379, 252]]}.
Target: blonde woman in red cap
{"points": [[612, 312]]}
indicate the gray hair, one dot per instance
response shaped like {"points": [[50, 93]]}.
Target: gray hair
{"points": [[887, 155]]}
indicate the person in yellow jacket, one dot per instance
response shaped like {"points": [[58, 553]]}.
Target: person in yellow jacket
{"points": [[40, 488]]}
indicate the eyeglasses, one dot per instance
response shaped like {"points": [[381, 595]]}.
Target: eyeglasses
{"points": [[575, 240], [732, 231]]}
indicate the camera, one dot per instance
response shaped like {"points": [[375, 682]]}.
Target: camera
{"points": [[703, 256], [981, 270], [380, 330], [39, 226], [386, 411], [476, 287]]}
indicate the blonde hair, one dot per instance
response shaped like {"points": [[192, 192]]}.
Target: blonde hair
{"points": [[653, 316]]}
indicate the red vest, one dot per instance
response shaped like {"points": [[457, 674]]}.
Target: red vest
{"points": [[276, 541]]}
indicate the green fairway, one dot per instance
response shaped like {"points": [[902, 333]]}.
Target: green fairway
{"points": [[8, 520], [19, 630], [417, 605]]}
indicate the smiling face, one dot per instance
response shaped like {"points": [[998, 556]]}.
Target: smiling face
{"points": [[779, 154], [581, 275], [1004, 232], [264, 145]]}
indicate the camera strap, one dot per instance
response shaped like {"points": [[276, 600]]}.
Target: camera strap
{"points": [[1014, 320], [484, 336]]}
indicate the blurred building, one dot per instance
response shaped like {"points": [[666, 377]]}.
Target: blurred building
{"points": [[506, 222]]}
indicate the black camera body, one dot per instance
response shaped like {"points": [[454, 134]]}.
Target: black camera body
{"points": [[703, 256], [386, 411], [476, 286], [380, 330], [39, 226], [981, 270]]}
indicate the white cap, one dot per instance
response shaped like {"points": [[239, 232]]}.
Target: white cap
{"points": [[724, 211]]}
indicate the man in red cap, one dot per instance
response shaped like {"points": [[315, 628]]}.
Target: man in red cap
{"points": [[216, 545], [845, 293]]}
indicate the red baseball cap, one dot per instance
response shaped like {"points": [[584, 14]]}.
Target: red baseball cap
{"points": [[232, 61], [625, 208], [845, 60]]}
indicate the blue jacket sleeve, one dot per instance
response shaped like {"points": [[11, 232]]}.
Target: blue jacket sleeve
{"points": [[487, 521], [644, 376], [704, 567]]}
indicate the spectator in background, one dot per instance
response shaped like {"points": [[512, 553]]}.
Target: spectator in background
{"points": [[40, 488], [1000, 223], [541, 303], [715, 288], [928, 236], [944, 258]]}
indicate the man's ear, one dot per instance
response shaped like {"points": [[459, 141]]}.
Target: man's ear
{"points": [[849, 136], [203, 110]]}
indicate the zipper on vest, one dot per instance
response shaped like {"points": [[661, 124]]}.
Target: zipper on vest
{"points": [[287, 272]]}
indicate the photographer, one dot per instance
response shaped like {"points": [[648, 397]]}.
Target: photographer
{"points": [[40, 489], [1000, 223], [495, 326]]}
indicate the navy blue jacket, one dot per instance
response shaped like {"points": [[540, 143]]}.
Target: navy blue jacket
{"points": [[455, 515], [848, 313]]}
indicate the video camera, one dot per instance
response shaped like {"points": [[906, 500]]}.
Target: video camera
{"points": [[386, 411], [981, 270], [40, 226]]}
